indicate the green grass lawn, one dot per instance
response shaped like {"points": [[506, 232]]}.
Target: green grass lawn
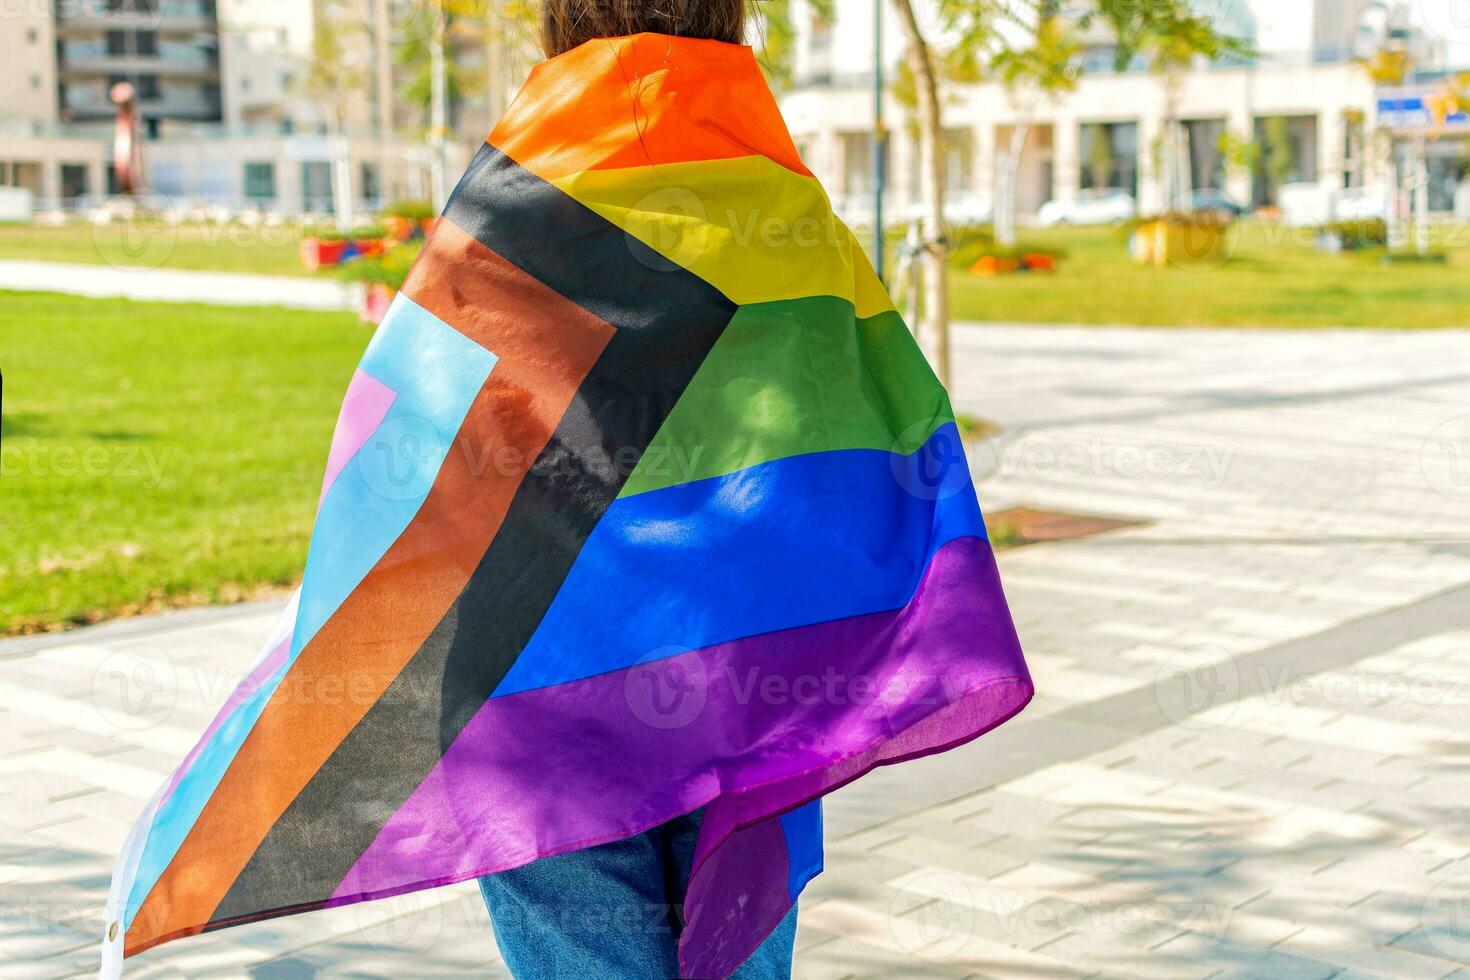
{"points": [[159, 454], [212, 247], [1269, 281]]}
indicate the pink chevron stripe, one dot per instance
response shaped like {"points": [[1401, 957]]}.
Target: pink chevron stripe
{"points": [[363, 410], [259, 674]]}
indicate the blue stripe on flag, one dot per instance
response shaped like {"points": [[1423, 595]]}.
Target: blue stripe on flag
{"points": [[775, 546], [803, 830]]}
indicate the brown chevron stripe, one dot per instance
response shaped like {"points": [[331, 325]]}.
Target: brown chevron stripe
{"points": [[545, 345], [666, 321]]}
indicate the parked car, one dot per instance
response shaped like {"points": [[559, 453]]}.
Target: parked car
{"points": [[959, 209], [1094, 206], [1207, 201], [1305, 204], [1360, 204]]}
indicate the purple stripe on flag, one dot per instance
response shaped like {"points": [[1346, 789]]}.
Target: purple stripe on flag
{"points": [[757, 726]]}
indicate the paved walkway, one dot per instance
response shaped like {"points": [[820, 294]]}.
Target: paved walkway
{"points": [[1249, 756], [177, 285]]}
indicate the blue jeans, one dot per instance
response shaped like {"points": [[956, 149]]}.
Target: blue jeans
{"points": [[613, 911]]}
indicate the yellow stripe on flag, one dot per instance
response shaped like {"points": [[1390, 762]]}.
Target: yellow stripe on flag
{"points": [[753, 229]]}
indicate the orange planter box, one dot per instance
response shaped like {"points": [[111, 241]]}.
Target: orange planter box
{"points": [[991, 265]]}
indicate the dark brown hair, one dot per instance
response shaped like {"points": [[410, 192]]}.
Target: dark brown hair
{"points": [[567, 23]]}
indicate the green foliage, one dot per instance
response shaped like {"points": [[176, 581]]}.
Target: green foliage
{"points": [[1240, 152], [415, 53], [415, 210], [389, 269], [1100, 157], [1278, 155], [1365, 233], [1268, 282], [971, 243], [1047, 65], [778, 36], [335, 71]]}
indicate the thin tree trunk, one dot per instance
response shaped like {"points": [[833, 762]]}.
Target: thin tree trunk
{"points": [[438, 111], [1005, 215], [340, 174], [931, 132]]}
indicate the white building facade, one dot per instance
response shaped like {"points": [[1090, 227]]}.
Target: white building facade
{"points": [[1306, 106], [228, 120]]}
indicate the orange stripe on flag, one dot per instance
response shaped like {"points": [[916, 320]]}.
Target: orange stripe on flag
{"points": [[639, 101]]}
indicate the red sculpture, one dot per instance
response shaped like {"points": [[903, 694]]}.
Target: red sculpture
{"points": [[127, 146]]}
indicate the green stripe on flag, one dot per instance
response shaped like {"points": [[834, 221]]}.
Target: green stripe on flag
{"points": [[793, 377]]}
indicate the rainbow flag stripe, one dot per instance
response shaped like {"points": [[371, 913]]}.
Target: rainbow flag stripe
{"points": [[643, 499]]}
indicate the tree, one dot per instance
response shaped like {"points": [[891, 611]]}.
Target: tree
{"points": [[1239, 152], [335, 73], [934, 247], [1278, 153], [1171, 37], [1100, 159], [1039, 73], [778, 32], [980, 27]]}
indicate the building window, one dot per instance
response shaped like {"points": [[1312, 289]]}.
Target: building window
{"points": [[1110, 156], [1206, 158], [1288, 155], [35, 81], [73, 181], [117, 43], [146, 43], [857, 163], [316, 185], [148, 87], [31, 35], [958, 160], [260, 181], [368, 178]]}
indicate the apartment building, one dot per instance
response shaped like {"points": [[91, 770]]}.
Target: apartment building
{"points": [[1306, 99], [228, 116]]}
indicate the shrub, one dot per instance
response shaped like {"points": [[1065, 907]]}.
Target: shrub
{"points": [[1362, 233], [416, 210], [388, 269]]}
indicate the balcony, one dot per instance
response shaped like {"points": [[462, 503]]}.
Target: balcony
{"points": [[91, 102], [177, 16], [195, 63]]}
